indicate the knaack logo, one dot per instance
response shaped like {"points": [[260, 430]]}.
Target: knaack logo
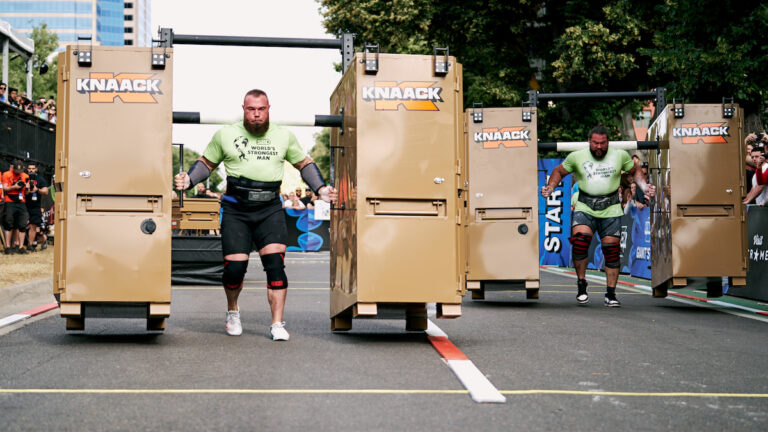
{"points": [[104, 87], [411, 95], [707, 133], [506, 136]]}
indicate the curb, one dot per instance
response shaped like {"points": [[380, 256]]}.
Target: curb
{"points": [[34, 296], [27, 314], [672, 293]]}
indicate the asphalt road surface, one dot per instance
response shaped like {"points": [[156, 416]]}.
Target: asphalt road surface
{"points": [[653, 364]]}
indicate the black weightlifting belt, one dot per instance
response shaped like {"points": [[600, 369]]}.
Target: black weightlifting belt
{"points": [[251, 191], [598, 202]]}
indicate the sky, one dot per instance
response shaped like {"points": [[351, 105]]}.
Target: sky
{"points": [[213, 79]]}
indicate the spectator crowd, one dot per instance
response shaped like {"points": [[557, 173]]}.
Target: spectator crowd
{"points": [[21, 214], [756, 169], [41, 108], [298, 201]]}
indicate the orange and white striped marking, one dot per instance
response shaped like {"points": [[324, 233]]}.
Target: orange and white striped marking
{"points": [[27, 314], [480, 389]]}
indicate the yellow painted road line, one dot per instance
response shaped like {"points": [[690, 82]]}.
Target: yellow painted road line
{"points": [[229, 391], [383, 392]]}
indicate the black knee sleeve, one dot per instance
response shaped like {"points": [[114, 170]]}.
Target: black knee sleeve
{"points": [[274, 267], [234, 272], [612, 253], [580, 245]]}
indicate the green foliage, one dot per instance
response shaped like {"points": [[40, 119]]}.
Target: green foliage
{"points": [[708, 49], [488, 36], [593, 53], [701, 50], [321, 153], [190, 157], [46, 43]]}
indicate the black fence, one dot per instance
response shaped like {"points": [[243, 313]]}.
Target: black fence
{"points": [[26, 137]]}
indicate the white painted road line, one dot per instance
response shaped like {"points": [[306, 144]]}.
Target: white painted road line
{"points": [[27, 314], [480, 389], [12, 319]]}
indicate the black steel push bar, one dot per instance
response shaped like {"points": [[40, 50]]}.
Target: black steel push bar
{"points": [[167, 38], [659, 95]]}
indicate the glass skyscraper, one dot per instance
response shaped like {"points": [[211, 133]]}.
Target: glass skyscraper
{"points": [[108, 22]]}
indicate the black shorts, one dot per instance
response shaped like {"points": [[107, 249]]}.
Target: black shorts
{"points": [[604, 227], [35, 216], [251, 227], [15, 216]]}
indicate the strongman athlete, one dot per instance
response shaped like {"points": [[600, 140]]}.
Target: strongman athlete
{"points": [[253, 153], [598, 171]]}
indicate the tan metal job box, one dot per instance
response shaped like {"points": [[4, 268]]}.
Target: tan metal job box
{"points": [[503, 232], [113, 203], [698, 223], [396, 233], [197, 214]]}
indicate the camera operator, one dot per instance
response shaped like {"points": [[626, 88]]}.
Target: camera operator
{"points": [[15, 185], [37, 188]]}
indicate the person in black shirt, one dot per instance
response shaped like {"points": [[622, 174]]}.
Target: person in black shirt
{"points": [[204, 192], [307, 198], [37, 188]]}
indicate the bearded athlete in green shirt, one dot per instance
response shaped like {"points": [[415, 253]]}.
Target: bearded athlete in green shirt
{"points": [[254, 153], [598, 172]]}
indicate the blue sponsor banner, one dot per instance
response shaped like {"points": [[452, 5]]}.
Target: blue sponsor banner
{"points": [[554, 218], [305, 233], [640, 253]]}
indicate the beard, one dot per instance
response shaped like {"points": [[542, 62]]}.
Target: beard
{"points": [[598, 154], [256, 129]]}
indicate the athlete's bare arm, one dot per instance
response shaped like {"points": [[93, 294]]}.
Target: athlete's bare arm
{"points": [[648, 190], [554, 179], [181, 180], [301, 164], [326, 193]]}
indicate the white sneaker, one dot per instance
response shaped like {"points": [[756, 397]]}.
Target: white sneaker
{"points": [[234, 327], [277, 332]]}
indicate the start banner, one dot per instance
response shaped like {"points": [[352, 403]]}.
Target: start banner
{"points": [[554, 218]]}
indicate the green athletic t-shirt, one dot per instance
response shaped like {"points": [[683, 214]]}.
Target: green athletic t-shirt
{"points": [[256, 157], [598, 177]]}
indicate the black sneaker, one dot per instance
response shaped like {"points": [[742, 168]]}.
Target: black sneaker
{"points": [[8, 251], [611, 300], [22, 251], [581, 296]]}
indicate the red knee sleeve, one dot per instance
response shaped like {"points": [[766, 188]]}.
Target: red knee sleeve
{"points": [[612, 253], [580, 245]]}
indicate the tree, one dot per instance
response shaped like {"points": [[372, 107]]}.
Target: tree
{"points": [[320, 153], [557, 46], [46, 42], [699, 64], [190, 157]]}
